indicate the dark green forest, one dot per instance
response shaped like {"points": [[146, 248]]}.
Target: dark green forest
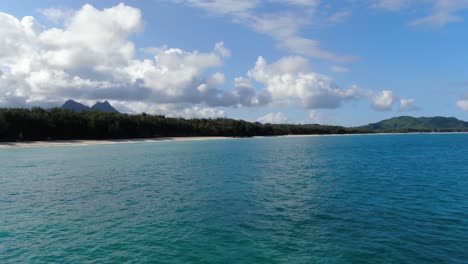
{"points": [[18, 124], [405, 124]]}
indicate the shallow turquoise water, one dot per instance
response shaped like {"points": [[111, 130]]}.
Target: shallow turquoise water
{"points": [[330, 199]]}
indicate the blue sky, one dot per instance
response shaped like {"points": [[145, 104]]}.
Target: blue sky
{"points": [[299, 61]]}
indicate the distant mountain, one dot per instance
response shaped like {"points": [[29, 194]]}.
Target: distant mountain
{"points": [[104, 107], [99, 107], [408, 123], [74, 106]]}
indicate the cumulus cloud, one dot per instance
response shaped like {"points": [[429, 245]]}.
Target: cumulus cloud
{"points": [[198, 112], [384, 100], [174, 75], [171, 110], [317, 117], [291, 79], [45, 66], [104, 44], [462, 103], [273, 118], [407, 104], [244, 94]]}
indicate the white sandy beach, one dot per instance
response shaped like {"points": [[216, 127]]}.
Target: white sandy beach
{"points": [[64, 143], [84, 142]]}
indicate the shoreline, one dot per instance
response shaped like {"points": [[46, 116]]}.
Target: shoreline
{"points": [[91, 142]]}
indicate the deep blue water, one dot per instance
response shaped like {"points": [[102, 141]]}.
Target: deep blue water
{"points": [[328, 199]]}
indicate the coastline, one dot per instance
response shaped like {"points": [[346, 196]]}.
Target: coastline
{"points": [[90, 142], [86, 142]]}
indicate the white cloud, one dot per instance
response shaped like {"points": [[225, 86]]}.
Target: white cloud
{"points": [[283, 27], [384, 100], [199, 112], [273, 118], [317, 117], [56, 15], [177, 76], [462, 103], [17, 37], [277, 25], [48, 64], [310, 47], [340, 69], [443, 12], [302, 3], [340, 16], [219, 47], [174, 73], [290, 79], [224, 6], [391, 5], [92, 58], [93, 37], [407, 104], [171, 110], [437, 20]]}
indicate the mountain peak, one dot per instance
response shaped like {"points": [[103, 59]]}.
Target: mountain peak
{"points": [[74, 106], [405, 123], [99, 107], [104, 107]]}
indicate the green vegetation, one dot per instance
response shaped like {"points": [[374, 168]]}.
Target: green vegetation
{"points": [[39, 124], [18, 124], [418, 124]]}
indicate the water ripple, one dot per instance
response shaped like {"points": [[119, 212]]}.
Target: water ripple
{"points": [[360, 199]]}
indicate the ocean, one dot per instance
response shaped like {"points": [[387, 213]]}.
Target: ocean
{"points": [[323, 199]]}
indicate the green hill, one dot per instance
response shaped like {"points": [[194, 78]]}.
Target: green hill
{"points": [[417, 124]]}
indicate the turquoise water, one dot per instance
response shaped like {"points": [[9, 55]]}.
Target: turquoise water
{"points": [[329, 199]]}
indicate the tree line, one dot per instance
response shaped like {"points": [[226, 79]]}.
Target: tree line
{"points": [[20, 124]]}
